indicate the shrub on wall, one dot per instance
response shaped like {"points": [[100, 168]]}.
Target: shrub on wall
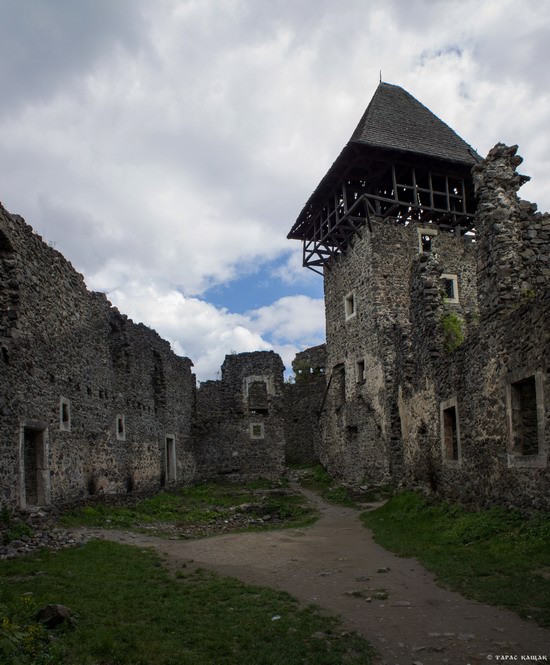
{"points": [[453, 331]]}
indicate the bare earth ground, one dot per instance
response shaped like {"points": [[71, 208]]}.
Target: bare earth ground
{"points": [[419, 623]]}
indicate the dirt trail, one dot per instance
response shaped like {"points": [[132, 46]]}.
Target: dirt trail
{"points": [[419, 623]]}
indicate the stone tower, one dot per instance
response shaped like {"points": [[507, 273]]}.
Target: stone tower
{"points": [[400, 192]]}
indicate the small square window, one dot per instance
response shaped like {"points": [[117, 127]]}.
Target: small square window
{"points": [[256, 430], [349, 305], [450, 287], [425, 240]]}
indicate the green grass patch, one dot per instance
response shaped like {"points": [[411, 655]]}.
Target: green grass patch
{"points": [[131, 611], [496, 556], [11, 527], [203, 504], [321, 482]]}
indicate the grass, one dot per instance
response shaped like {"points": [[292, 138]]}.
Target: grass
{"points": [[131, 611], [12, 529], [319, 481], [495, 556], [205, 504]]}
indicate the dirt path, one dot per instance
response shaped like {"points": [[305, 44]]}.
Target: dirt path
{"points": [[419, 623]]}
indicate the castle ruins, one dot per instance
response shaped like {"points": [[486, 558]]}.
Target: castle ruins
{"points": [[435, 369]]}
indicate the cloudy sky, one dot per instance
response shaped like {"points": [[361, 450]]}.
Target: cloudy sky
{"points": [[167, 146]]}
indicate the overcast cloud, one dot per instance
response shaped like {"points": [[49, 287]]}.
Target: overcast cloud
{"points": [[167, 147]]}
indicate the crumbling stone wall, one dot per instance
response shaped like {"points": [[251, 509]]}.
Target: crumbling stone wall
{"points": [[79, 395], [303, 402], [239, 430], [361, 423], [505, 352]]}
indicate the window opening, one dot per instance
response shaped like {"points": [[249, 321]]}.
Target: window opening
{"points": [[360, 371], [349, 305], [425, 240], [121, 427], [450, 287], [64, 415], [257, 431], [257, 397], [450, 433], [524, 417]]}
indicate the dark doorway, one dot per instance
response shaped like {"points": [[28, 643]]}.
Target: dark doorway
{"points": [[35, 469]]}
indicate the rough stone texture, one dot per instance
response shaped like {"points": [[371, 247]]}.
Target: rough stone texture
{"points": [[238, 432], [361, 426], [303, 400], [455, 394], [510, 344], [87, 397]]}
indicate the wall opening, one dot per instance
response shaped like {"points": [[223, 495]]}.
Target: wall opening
{"points": [[350, 305], [34, 467], [450, 432], [450, 288], [524, 417], [170, 457], [257, 431], [527, 443], [64, 414], [121, 427], [360, 371], [425, 240], [257, 397]]}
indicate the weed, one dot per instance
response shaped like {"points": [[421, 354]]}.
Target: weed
{"points": [[453, 331], [22, 639], [12, 529], [496, 556]]}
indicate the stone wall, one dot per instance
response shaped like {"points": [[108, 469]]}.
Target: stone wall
{"points": [[367, 301], [437, 367], [238, 432], [87, 397], [303, 402], [488, 393]]}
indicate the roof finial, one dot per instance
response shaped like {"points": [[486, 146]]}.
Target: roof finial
{"points": [[380, 76]]}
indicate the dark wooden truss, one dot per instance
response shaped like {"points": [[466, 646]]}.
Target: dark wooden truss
{"points": [[400, 192]]}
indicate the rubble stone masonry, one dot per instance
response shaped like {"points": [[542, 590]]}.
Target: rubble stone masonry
{"points": [[437, 354], [88, 399], [239, 427], [435, 371]]}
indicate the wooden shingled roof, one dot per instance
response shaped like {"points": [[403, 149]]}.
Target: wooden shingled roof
{"points": [[396, 122]]}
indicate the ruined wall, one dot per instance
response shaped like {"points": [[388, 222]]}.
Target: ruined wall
{"points": [[367, 301], [238, 432], [474, 414], [303, 402], [79, 404]]}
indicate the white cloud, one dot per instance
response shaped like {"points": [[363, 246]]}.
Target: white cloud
{"points": [[206, 334], [297, 318], [168, 147]]}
